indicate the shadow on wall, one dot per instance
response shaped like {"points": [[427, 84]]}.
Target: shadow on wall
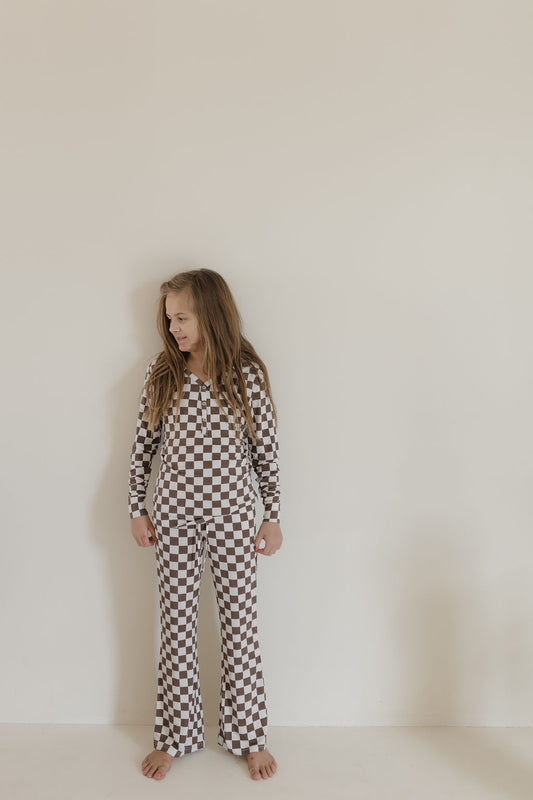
{"points": [[450, 643]]}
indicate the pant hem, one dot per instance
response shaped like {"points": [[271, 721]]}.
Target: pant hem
{"points": [[176, 752], [241, 750]]}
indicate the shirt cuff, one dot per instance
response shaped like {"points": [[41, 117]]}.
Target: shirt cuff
{"points": [[272, 509], [142, 512]]}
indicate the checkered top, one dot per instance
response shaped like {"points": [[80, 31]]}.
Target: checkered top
{"points": [[206, 467]]}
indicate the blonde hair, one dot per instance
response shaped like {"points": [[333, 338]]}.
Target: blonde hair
{"points": [[225, 349]]}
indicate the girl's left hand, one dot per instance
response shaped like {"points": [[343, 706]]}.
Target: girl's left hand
{"points": [[271, 533]]}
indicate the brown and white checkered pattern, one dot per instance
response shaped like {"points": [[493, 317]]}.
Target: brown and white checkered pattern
{"points": [[206, 468], [204, 501], [229, 543]]}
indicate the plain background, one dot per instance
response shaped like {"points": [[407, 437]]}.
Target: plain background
{"points": [[361, 174]]}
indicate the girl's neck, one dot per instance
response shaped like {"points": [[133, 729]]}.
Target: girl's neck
{"points": [[195, 365], [194, 362]]}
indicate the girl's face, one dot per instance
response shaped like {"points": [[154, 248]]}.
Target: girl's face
{"points": [[183, 323]]}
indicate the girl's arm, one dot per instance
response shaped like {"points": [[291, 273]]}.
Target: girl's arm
{"points": [[264, 451], [144, 448]]}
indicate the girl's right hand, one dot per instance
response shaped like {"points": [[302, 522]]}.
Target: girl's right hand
{"points": [[143, 531]]}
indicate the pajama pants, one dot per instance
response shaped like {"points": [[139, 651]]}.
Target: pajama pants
{"points": [[180, 558]]}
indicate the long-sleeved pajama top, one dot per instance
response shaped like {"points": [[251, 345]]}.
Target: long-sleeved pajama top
{"points": [[206, 467]]}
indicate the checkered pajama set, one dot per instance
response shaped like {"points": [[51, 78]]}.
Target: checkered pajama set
{"points": [[204, 500]]}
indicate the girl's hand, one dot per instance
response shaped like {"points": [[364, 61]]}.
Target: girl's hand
{"points": [[271, 533], [143, 531]]}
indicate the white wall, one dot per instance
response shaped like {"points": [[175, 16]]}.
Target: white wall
{"points": [[361, 175]]}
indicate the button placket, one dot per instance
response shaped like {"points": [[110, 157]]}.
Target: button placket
{"points": [[204, 393]]}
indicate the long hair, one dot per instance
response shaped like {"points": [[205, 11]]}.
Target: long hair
{"points": [[225, 349]]}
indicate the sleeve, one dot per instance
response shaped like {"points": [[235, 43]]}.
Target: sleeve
{"points": [[144, 448], [264, 451]]}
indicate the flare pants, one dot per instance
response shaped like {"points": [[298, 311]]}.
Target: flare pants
{"points": [[180, 558]]}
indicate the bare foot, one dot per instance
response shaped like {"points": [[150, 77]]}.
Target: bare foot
{"points": [[156, 764], [261, 764]]}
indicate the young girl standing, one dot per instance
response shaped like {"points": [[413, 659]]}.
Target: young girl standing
{"points": [[207, 398]]}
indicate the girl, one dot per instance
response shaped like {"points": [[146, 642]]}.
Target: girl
{"points": [[207, 397]]}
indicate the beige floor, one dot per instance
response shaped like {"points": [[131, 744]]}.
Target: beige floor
{"points": [[78, 762]]}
